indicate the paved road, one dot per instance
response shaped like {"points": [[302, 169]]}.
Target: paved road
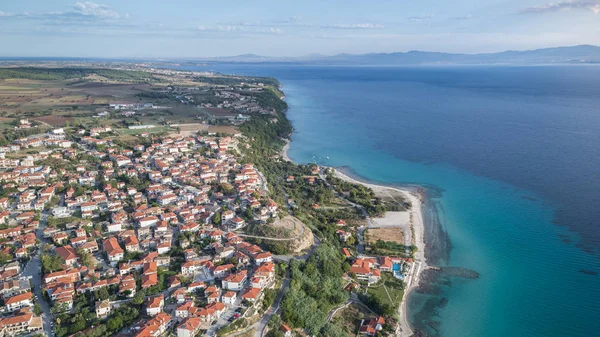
{"points": [[33, 269], [262, 324]]}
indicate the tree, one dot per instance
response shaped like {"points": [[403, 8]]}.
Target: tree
{"points": [[37, 309], [51, 263], [138, 298], [4, 258], [217, 219], [86, 258]]}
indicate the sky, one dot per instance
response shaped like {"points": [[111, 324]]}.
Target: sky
{"points": [[198, 28]]}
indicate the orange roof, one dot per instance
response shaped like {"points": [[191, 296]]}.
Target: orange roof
{"points": [[111, 246], [18, 298], [155, 302], [149, 280], [150, 268], [252, 293], [66, 252]]}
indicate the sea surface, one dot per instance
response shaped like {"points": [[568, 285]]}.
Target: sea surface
{"points": [[510, 158]]}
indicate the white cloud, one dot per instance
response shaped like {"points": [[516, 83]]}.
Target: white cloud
{"points": [[420, 18], [355, 26], [591, 5], [92, 9], [5, 14], [239, 29]]}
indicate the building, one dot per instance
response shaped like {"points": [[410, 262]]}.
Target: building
{"points": [[19, 301], [113, 250], [190, 327], [154, 305], [68, 254], [103, 309]]}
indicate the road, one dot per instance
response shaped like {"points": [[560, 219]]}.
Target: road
{"points": [[262, 323], [33, 269]]}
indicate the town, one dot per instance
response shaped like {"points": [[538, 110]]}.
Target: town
{"points": [[148, 238]]}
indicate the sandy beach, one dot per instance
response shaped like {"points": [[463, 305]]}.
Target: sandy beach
{"points": [[417, 228], [417, 235]]}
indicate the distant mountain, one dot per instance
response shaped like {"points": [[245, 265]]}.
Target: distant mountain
{"points": [[572, 55]]}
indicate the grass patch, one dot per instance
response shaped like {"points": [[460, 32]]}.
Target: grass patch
{"points": [[349, 318], [394, 286]]}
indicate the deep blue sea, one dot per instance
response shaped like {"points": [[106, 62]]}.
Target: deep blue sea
{"points": [[510, 156]]}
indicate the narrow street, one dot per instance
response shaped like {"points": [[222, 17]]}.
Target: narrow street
{"points": [[33, 270], [262, 324]]}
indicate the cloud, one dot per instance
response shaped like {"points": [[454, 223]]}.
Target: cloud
{"points": [[355, 26], [82, 12], [92, 9], [591, 5], [239, 29], [420, 18]]}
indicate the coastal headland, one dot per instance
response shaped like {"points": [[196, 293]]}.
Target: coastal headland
{"points": [[417, 233]]}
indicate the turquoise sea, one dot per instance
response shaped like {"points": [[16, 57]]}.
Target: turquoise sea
{"points": [[510, 158]]}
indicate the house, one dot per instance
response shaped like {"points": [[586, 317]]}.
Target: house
{"points": [[286, 330], [263, 257], [132, 244], [113, 250], [148, 221], [343, 235], [103, 309], [222, 270], [196, 285], [15, 287], [370, 327], [252, 294], [68, 254], [237, 222], [235, 281], [164, 247], [190, 327], [156, 326], [365, 270], [20, 324], [18, 301], [154, 305], [229, 298], [127, 286], [346, 252]]}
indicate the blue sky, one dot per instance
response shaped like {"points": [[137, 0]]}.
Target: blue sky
{"points": [[186, 28]]}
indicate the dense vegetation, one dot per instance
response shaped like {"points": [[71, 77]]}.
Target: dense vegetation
{"points": [[365, 197], [55, 74], [316, 287]]}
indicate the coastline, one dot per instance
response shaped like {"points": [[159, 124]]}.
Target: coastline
{"points": [[417, 227], [417, 238], [284, 151]]}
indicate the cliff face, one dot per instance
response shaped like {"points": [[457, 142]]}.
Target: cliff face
{"points": [[303, 243]]}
